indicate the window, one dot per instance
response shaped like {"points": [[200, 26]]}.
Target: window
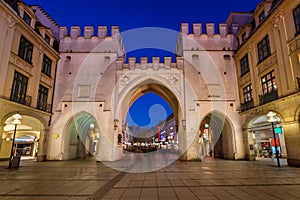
{"points": [[25, 50], [244, 37], [269, 83], [47, 38], [46, 66], [247, 92], [263, 48], [27, 18], [42, 98], [19, 87], [244, 65], [297, 19], [261, 16]]}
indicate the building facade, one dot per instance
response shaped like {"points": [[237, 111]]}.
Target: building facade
{"points": [[28, 58], [221, 86], [268, 71]]}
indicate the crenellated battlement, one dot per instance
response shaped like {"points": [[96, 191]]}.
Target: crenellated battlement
{"points": [[144, 63], [210, 39], [74, 40], [88, 32], [210, 29]]}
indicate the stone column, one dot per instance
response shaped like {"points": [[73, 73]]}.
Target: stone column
{"points": [[292, 139], [249, 144], [281, 74], [253, 73], [43, 144]]}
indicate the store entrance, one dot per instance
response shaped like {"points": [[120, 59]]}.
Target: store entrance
{"points": [[263, 138]]}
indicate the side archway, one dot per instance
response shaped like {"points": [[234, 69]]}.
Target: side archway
{"points": [[29, 138], [216, 136], [81, 136]]}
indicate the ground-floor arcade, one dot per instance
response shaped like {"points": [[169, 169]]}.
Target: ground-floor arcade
{"points": [[259, 133], [28, 137]]}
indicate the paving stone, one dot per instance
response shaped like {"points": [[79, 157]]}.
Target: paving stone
{"points": [[150, 183], [184, 193], [210, 179]]}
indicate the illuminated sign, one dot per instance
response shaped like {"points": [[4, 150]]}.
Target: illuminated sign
{"points": [[278, 130]]}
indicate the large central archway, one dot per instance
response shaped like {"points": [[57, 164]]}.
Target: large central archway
{"points": [[150, 161]]}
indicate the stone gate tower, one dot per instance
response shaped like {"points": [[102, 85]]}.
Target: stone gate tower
{"points": [[95, 88]]}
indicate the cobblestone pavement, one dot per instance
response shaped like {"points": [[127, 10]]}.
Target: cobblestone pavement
{"points": [[210, 179]]}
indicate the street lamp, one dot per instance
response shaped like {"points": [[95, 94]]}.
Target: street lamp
{"points": [[272, 118], [16, 121]]}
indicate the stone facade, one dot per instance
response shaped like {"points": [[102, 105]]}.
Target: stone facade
{"points": [[282, 95], [24, 97]]}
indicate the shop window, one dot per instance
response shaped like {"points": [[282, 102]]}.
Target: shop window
{"points": [[247, 93], [269, 83], [244, 64], [42, 98], [297, 19], [263, 49], [25, 50], [19, 88], [46, 66]]}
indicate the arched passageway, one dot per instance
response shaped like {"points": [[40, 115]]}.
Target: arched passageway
{"points": [[165, 131], [150, 125], [216, 137], [81, 136], [29, 134]]}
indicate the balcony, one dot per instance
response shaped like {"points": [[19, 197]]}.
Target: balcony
{"points": [[266, 98], [28, 100], [44, 106], [247, 105], [22, 99]]}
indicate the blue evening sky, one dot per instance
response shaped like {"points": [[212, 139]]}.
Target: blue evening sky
{"points": [[148, 111], [131, 14]]}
